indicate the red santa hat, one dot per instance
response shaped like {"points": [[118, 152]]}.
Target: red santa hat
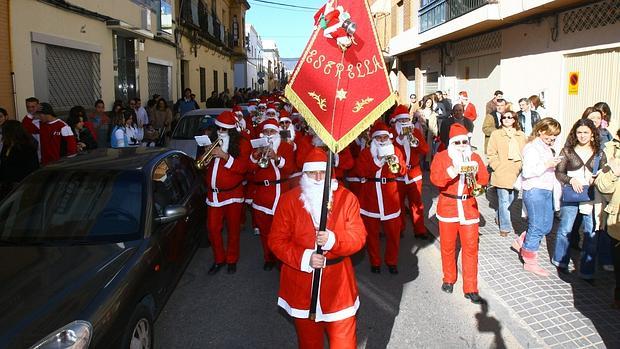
{"points": [[269, 124], [271, 108], [400, 112], [226, 119], [237, 109], [463, 93], [316, 160], [285, 116], [458, 132], [379, 129]]}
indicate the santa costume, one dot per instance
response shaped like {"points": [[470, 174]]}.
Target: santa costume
{"points": [[457, 210], [410, 185], [268, 185], [225, 193], [293, 239], [379, 199]]}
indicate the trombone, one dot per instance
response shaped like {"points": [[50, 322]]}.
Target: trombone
{"points": [[203, 161]]}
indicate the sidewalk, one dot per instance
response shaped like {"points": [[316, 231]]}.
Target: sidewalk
{"points": [[561, 312]]}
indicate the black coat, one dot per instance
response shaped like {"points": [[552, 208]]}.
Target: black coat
{"points": [[15, 165], [521, 117], [444, 132]]}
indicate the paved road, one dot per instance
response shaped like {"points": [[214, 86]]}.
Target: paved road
{"points": [[403, 311]]}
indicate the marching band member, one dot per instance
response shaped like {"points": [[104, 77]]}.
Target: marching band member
{"points": [[355, 148], [411, 143], [224, 176], [270, 169], [293, 239], [379, 166], [457, 171], [244, 124]]}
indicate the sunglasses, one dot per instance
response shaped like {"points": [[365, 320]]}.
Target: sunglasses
{"points": [[507, 117], [463, 142], [222, 129]]}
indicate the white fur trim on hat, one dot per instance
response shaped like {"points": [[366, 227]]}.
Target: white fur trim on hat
{"points": [[401, 116], [458, 138], [223, 125], [381, 133], [271, 110], [285, 118], [270, 126], [314, 166]]}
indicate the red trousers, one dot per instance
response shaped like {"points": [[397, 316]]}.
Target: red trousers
{"points": [[391, 228], [340, 334], [263, 222], [216, 216], [468, 235], [413, 193]]}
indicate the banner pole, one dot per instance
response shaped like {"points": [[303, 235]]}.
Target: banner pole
{"points": [[316, 280]]}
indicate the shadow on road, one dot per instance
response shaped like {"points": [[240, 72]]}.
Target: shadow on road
{"points": [[490, 324]]}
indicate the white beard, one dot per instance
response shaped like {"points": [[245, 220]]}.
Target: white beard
{"points": [[225, 138], [375, 145], [291, 128], [317, 142], [275, 141], [312, 196], [241, 125], [459, 155]]}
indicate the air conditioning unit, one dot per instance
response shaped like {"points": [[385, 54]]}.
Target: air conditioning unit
{"points": [[146, 19]]}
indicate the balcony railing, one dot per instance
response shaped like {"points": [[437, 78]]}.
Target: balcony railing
{"points": [[436, 12]]}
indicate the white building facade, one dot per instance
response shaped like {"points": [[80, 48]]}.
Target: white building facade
{"points": [[274, 71], [524, 48], [246, 73]]}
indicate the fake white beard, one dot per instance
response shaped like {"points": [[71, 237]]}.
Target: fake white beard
{"points": [[241, 125], [375, 145], [275, 141], [317, 142], [458, 154], [312, 196], [225, 140]]}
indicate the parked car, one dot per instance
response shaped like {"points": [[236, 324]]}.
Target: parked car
{"points": [[92, 247], [192, 124]]}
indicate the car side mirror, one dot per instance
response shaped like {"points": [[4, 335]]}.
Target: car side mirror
{"points": [[172, 213]]}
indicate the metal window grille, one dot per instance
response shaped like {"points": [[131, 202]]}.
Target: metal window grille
{"points": [[593, 16], [158, 80], [74, 77], [481, 43]]}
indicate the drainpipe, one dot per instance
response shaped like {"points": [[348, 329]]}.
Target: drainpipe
{"points": [[13, 83]]}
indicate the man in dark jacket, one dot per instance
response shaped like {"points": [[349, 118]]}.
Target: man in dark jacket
{"points": [[527, 117], [457, 117]]}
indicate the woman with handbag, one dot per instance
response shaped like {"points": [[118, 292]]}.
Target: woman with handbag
{"points": [[504, 154], [538, 182], [576, 172], [607, 182]]}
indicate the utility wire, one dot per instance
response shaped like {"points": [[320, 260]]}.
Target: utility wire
{"points": [[281, 8], [286, 5]]}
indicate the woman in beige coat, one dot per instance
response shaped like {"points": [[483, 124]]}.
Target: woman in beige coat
{"points": [[608, 183], [504, 154]]}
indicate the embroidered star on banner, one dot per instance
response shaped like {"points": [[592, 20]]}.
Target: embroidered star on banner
{"points": [[341, 95]]}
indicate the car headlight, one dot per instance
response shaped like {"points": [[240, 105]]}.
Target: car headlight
{"points": [[75, 335]]}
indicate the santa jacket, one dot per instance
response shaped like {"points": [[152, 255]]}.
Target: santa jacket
{"points": [[269, 183], [412, 156], [224, 178], [379, 190], [443, 176], [292, 240]]}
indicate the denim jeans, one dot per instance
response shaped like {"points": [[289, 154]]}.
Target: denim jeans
{"points": [[539, 205], [561, 256], [505, 197], [605, 256]]}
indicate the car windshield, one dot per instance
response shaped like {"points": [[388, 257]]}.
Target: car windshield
{"points": [[190, 126], [74, 206]]}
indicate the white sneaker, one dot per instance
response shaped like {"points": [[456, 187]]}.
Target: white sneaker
{"points": [[256, 231], [608, 267]]}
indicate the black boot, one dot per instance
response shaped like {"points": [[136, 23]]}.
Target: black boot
{"points": [[475, 298], [232, 268], [447, 287], [215, 268]]}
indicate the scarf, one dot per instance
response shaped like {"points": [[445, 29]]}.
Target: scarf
{"points": [[514, 153]]}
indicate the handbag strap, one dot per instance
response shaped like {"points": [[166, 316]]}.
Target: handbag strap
{"points": [[597, 162]]}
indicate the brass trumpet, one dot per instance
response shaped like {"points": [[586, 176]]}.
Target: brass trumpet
{"points": [[392, 162], [470, 170], [203, 161], [263, 162], [408, 132]]}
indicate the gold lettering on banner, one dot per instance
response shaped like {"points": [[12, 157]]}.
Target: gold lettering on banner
{"points": [[357, 70], [320, 101], [359, 105]]}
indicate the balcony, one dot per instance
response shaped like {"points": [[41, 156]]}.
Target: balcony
{"points": [[436, 12]]}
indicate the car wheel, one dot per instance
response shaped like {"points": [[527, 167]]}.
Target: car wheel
{"points": [[139, 333]]}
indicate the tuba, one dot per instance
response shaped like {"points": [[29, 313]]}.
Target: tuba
{"points": [[407, 131], [469, 169], [203, 161]]}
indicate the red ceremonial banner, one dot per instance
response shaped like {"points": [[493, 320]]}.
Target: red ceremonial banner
{"points": [[341, 90]]}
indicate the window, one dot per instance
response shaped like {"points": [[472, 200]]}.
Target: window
{"points": [[215, 82], [159, 80], [165, 16], [235, 31], [225, 81], [203, 84]]}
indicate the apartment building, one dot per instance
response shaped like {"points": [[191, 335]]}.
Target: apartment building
{"points": [[247, 72], [75, 52], [211, 40], [274, 77], [522, 47]]}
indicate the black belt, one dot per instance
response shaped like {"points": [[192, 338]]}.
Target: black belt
{"points": [[217, 190], [458, 197], [268, 182], [334, 261], [381, 180]]}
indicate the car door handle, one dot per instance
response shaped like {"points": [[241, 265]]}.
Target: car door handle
{"points": [[186, 219]]}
